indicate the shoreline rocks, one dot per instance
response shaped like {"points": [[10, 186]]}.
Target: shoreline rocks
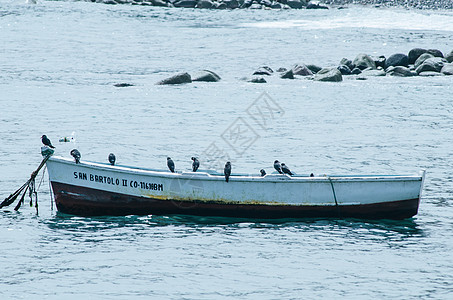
{"points": [[418, 62], [222, 4]]}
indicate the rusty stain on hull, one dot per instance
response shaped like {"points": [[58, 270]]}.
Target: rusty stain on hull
{"points": [[88, 202]]}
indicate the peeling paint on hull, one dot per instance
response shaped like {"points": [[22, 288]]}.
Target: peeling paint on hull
{"points": [[85, 201]]}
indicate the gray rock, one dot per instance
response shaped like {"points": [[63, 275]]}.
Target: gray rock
{"points": [[276, 5], [347, 62], [296, 4], [185, 3], [435, 52], [247, 4], [316, 5], [232, 4], [266, 3], [282, 69], [447, 69], [177, 79], [205, 4], [263, 71], [373, 72], [422, 58], [344, 70], [400, 71], [302, 70], [221, 5], [414, 54], [257, 80], [287, 75], [449, 56], [207, 76], [433, 64], [256, 6], [328, 74], [363, 61], [380, 61], [430, 74], [356, 71], [314, 68], [398, 59], [159, 3], [123, 84]]}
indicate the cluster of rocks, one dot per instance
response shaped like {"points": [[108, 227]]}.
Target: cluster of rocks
{"points": [[180, 78], [420, 4], [223, 4], [418, 62]]}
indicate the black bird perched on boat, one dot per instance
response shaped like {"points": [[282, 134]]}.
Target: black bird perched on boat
{"points": [[195, 164], [227, 171], [278, 167], [45, 140], [171, 164], [112, 159], [76, 154], [263, 173], [286, 170]]}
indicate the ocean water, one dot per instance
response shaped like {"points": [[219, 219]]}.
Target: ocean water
{"points": [[59, 61]]}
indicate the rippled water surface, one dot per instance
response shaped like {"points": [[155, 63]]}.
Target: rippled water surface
{"points": [[59, 62]]}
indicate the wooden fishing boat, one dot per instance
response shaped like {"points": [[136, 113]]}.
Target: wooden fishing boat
{"points": [[90, 188]]}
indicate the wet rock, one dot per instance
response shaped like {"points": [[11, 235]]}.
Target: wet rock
{"points": [[328, 74], [398, 59], [296, 4], [314, 68], [232, 4], [316, 5], [422, 58], [400, 71], [257, 80], [263, 71], [287, 75], [266, 3], [430, 74], [221, 5], [344, 70], [247, 4], [433, 64], [207, 76], [356, 71], [373, 72], [363, 61], [302, 70], [380, 61], [123, 84], [414, 54], [347, 62], [282, 69], [449, 56], [185, 3], [447, 69], [435, 52], [159, 3], [276, 5], [205, 4], [256, 6], [177, 79]]}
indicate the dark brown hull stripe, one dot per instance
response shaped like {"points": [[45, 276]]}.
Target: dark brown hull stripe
{"points": [[83, 201]]}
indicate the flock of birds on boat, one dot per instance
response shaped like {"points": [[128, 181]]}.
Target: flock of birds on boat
{"points": [[281, 168]]}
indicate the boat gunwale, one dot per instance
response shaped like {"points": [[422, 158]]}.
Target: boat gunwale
{"points": [[270, 178]]}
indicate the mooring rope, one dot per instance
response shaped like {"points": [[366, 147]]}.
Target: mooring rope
{"points": [[334, 195], [29, 185]]}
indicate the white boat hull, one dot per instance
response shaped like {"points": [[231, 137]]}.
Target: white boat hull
{"points": [[99, 189]]}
